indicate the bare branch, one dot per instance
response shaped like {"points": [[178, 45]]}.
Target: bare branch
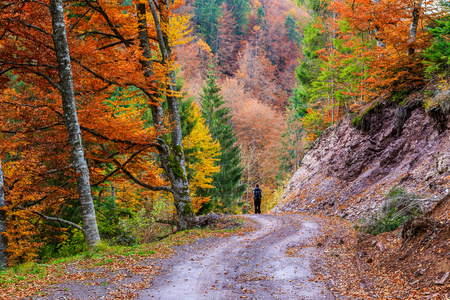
{"points": [[132, 177], [26, 64], [9, 69], [30, 26], [113, 28], [54, 84], [93, 72], [32, 130], [113, 44], [79, 19], [104, 137], [60, 220]]}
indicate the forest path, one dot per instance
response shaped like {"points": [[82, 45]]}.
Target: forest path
{"points": [[253, 266]]}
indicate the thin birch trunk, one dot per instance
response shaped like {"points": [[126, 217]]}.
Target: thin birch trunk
{"points": [[71, 120], [3, 242]]}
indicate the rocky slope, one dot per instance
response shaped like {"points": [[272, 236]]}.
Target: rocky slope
{"points": [[348, 171]]}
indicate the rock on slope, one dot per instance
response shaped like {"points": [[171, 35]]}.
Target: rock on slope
{"points": [[348, 171]]}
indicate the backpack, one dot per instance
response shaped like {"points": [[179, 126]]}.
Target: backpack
{"points": [[257, 194]]}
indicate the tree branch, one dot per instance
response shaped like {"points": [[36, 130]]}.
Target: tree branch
{"points": [[100, 10], [9, 69], [26, 64], [93, 72], [30, 26], [34, 130], [99, 135], [132, 177], [59, 220], [113, 44], [54, 84], [79, 19]]}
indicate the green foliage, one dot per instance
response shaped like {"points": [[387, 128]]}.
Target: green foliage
{"points": [[240, 10], [400, 96], [291, 28], [227, 187], [437, 57], [356, 121], [135, 229], [73, 245], [261, 15], [318, 7], [291, 144], [313, 40], [399, 206], [207, 15]]}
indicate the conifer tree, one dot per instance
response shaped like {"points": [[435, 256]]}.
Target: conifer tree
{"points": [[240, 9], [291, 28], [207, 13], [227, 182]]}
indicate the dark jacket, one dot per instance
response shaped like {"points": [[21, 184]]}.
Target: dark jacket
{"points": [[256, 194]]}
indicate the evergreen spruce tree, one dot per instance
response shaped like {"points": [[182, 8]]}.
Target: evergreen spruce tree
{"points": [[227, 182], [207, 14], [291, 28], [240, 9]]}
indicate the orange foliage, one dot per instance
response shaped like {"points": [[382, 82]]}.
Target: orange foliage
{"points": [[112, 96], [395, 63], [259, 128]]}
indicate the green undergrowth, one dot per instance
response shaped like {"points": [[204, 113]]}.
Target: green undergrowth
{"points": [[27, 279], [398, 207], [356, 121]]}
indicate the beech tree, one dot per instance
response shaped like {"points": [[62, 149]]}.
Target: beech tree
{"points": [[39, 56], [171, 152], [106, 56], [59, 36]]}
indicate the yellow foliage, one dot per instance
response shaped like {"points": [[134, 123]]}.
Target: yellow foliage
{"points": [[203, 152], [204, 46], [179, 30]]}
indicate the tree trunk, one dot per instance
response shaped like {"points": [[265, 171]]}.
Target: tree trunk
{"points": [[71, 120], [172, 157], [3, 242], [413, 28]]}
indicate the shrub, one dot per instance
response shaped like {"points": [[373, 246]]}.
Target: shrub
{"points": [[138, 228], [398, 207]]}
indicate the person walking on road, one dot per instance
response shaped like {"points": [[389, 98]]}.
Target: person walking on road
{"points": [[257, 195]]}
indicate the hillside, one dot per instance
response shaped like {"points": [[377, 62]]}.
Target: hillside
{"points": [[348, 173], [349, 170]]}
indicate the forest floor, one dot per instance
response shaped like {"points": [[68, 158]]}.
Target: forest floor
{"points": [[289, 256]]}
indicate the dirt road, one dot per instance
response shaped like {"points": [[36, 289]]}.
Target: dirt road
{"points": [[254, 266]]}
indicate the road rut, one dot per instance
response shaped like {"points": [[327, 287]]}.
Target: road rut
{"points": [[253, 266]]}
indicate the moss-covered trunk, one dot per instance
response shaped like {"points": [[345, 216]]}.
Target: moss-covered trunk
{"points": [[170, 150]]}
